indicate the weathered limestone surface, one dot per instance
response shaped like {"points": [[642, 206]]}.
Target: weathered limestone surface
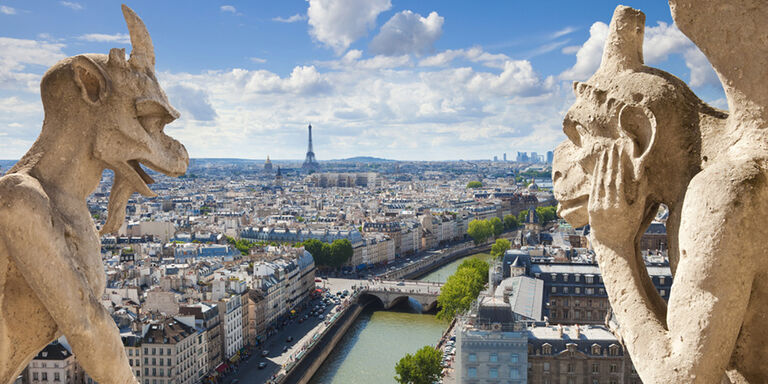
{"points": [[638, 137], [101, 111]]}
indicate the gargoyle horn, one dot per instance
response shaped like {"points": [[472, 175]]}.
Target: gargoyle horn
{"points": [[142, 50], [624, 45]]}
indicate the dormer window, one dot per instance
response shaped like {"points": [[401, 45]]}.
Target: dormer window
{"points": [[613, 350], [546, 349], [596, 350]]}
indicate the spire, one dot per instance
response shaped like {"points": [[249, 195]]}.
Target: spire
{"points": [[310, 163]]}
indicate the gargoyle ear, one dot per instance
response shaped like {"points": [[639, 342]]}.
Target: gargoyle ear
{"points": [[91, 78], [639, 126]]}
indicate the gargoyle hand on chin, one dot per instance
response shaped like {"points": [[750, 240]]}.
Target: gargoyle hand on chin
{"points": [[615, 216]]}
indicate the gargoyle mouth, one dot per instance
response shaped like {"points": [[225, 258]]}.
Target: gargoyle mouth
{"points": [[574, 210]]}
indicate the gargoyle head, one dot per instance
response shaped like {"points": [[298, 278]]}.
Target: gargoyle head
{"points": [[652, 114], [123, 107]]}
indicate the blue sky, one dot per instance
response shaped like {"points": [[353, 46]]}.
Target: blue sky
{"points": [[409, 80]]}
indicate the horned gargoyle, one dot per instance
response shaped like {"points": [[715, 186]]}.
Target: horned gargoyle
{"points": [[101, 111], [638, 137]]}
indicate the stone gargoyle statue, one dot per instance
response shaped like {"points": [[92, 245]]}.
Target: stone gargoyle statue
{"points": [[101, 111], [637, 138]]}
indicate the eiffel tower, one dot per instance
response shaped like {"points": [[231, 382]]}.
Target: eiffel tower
{"points": [[310, 163]]}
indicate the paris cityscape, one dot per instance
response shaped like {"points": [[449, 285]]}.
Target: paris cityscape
{"points": [[381, 213]]}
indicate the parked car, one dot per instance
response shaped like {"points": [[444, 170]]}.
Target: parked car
{"points": [[289, 339], [264, 352]]}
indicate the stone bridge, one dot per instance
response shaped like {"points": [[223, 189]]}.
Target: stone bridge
{"points": [[392, 293]]}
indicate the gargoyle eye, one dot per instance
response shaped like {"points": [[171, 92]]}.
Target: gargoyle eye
{"points": [[574, 134]]}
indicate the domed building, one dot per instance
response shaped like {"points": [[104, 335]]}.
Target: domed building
{"points": [[268, 165]]}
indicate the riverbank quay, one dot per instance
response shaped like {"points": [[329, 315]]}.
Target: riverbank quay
{"points": [[436, 259]]}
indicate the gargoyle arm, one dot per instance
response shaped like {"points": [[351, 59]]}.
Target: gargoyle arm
{"points": [[39, 254], [706, 300], [737, 50]]}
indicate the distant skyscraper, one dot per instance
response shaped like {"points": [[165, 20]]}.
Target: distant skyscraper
{"points": [[310, 163], [505, 157], [534, 157], [495, 158], [550, 156]]}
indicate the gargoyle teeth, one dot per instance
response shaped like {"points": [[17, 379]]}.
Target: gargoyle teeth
{"points": [[137, 167]]}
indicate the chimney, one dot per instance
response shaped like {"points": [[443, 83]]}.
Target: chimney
{"points": [[560, 330], [578, 331]]}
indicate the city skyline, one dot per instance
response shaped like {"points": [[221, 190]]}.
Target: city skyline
{"points": [[380, 78]]}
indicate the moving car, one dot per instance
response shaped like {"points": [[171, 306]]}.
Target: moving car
{"points": [[262, 365]]}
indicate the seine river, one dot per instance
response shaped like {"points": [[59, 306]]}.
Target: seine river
{"points": [[378, 339]]}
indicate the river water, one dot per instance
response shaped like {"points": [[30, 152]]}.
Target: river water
{"points": [[379, 339]]}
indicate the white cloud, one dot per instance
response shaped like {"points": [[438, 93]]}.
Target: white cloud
{"points": [[339, 23], [563, 32], [570, 50], [16, 55], [258, 60], [228, 8], [588, 57], [72, 5], [661, 41], [120, 38], [702, 72], [474, 54], [407, 32], [292, 19], [380, 105], [7, 10]]}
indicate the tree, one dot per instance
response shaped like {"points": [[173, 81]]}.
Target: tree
{"points": [[522, 216], [477, 264], [480, 230], [500, 247], [498, 226], [340, 252], [319, 250], [511, 222], [547, 214], [422, 368], [475, 184], [458, 292]]}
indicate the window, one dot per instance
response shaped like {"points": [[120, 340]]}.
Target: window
{"points": [[493, 373], [514, 373], [472, 372], [602, 291], [553, 302], [565, 289], [595, 368], [577, 277], [545, 367], [473, 357], [130, 352], [493, 358], [577, 302], [168, 351], [554, 289], [56, 376], [662, 292], [589, 291], [569, 367], [595, 381], [146, 371], [589, 279], [577, 290], [146, 360], [545, 349], [661, 280], [514, 357], [35, 376], [44, 376], [614, 368]]}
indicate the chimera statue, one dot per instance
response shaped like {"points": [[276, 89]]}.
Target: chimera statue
{"points": [[637, 138], [101, 111]]}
